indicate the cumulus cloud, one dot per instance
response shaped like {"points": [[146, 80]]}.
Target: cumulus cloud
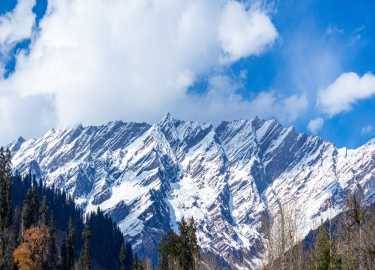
{"points": [[244, 32], [96, 60], [345, 91], [16, 25], [315, 125], [222, 101], [367, 130], [28, 115]]}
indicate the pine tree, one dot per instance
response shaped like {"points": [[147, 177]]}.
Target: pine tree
{"points": [[5, 190], [122, 256], [129, 257], [6, 211], [85, 259], [137, 263], [180, 251], [186, 259], [30, 209], [43, 212], [322, 252], [52, 247], [64, 258], [193, 243], [70, 242]]}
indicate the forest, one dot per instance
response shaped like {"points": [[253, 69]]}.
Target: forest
{"points": [[41, 228], [345, 242]]}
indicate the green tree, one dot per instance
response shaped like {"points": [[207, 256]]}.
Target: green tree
{"points": [[44, 212], [52, 247], [193, 243], [137, 263], [323, 258], [6, 235], [122, 256], [67, 248], [30, 209], [70, 242], [85, 259], [180, 251], [5, 189]]}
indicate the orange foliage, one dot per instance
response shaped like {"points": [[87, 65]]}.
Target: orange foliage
{"points": [[33, 251]]}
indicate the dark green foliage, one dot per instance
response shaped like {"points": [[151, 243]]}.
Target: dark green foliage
{"points": [[69, 245], [180, 251], [5, 190], [7, 236], [30, 209], [107, 240], [42, 205], [44, 217], [85, 259], [122, 256], [52, 247], [322, 252], [137, 264], [129, 256]]}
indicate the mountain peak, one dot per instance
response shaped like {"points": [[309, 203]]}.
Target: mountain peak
{"points": [[229, 177]]}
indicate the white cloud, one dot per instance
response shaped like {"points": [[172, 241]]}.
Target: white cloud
{"points": [[28, 115], [345, 91], [101, 60], [16, 25], [369, 129], [315, 125], [245, 32], [223, 102]]}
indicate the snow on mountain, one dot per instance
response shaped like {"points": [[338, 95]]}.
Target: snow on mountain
{"points": [[230, 177]]}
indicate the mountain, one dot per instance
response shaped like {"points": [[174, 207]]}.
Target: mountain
{"points": [[231, 177]]}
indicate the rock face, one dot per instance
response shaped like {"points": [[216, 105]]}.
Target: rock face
{"points": [[230, 177]]}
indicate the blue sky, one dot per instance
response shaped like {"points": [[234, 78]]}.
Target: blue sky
{"points": [[317, 42]]}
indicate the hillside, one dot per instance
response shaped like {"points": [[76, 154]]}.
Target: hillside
{"points": [[232, 177]]}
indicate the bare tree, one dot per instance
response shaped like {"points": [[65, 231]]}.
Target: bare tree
{"points": [[283, 250]]}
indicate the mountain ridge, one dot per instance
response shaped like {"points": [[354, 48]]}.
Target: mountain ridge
{"points": [[230, 176]]}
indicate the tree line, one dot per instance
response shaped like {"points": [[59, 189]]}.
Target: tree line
{"points": [[42, 229], [346, 242]]}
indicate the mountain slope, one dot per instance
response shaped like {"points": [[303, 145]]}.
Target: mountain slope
{"points": [[230, 177]]}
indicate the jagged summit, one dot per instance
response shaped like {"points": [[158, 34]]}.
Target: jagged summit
{"points": [[229, 176]]}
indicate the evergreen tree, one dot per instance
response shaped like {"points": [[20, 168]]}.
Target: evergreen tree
{"points": [[186, 259], [30, 209], [70, 242], [52, 247], [129, 257], [64, 258], [5, 190], [43, 212], [122, 257], [193, 243], [180, 251], [322, 252], [137, 263], [6, 235], [85, 259]]}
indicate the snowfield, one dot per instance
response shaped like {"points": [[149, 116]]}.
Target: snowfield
{"points": [[229, 177]]}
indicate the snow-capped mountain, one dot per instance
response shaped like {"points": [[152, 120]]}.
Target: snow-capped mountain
{"points": [[230, 177]]}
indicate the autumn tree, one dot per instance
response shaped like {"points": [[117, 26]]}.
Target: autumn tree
{"points": [[32, 253]]}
